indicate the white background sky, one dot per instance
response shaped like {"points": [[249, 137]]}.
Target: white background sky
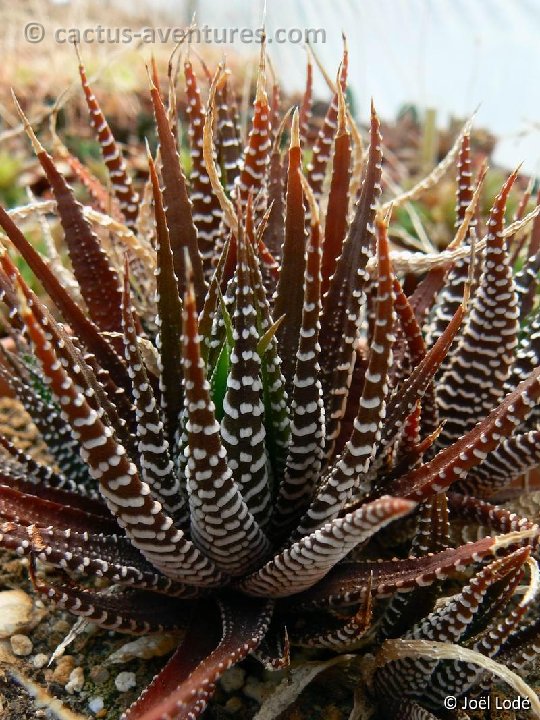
{"points": [[448, 54], [451, 55]]}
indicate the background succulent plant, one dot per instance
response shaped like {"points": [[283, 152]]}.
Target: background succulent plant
{"points": [[238, 396]]}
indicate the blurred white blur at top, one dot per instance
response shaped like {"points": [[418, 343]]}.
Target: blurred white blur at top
{"points": [[451, 55]]}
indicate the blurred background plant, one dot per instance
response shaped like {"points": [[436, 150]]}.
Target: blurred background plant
{"points": [[452, 61]]}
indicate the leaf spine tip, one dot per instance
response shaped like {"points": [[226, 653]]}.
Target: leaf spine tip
{"points": [[342, 106], [38, 147], [295, 130]]}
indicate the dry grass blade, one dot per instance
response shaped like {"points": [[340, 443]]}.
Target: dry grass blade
{"points": [[434, 176], [43, 699], [397, 649], [291, 687]]}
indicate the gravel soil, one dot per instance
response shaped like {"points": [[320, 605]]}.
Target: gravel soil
{"points": [[85, 683]]}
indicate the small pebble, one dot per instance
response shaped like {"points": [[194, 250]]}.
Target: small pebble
{"points": [[124, 681], [61, 626], [96, 705], [16, 612], [99, 674], [40, 660], [62, 671], [76, 681], [233, 679], [146, 647], [21, 645], [233, 705]]}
